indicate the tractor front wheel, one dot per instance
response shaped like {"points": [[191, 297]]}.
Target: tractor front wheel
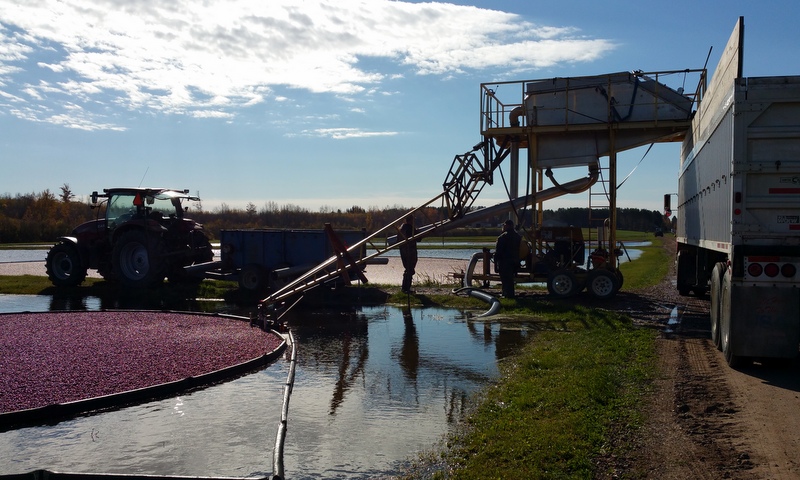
{"points": [[64, 266]]}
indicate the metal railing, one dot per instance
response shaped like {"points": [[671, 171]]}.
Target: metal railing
{"points": [[503, 103]]}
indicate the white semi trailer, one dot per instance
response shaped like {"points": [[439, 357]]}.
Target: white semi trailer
{"points": [[738, 215]]}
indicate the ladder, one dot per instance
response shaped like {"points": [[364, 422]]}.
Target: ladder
{"points": [[600, 208]]}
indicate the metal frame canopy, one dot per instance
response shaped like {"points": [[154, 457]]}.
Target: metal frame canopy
{"points": [[577, 121]]}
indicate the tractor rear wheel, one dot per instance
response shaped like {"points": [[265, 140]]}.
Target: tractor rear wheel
{"points": [[139, 259]]}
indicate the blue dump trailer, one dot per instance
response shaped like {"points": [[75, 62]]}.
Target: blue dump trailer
{"points": [[267, 259]]}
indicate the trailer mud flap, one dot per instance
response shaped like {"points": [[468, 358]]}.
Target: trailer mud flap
{"points": [[765, 321]]}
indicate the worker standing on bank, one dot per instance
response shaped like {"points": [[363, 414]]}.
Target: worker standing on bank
{"points": [[408, 253], [506, 257]]}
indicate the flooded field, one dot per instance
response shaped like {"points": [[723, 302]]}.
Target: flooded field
{"points": [[373, 388]]}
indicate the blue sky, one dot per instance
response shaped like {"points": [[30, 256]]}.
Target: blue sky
{"points": [[325, 104]]}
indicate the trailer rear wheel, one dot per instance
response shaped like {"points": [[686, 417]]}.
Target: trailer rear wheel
{"points": [[716, 289], [727, 337], [686, 272], [252, 278], [562, 284], [602, 283]]}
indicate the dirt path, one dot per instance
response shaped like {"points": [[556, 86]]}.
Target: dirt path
{"points": [[706, 420]]}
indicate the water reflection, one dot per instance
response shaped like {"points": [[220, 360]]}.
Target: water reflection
{"points": [[373, 387], [409, 351]]}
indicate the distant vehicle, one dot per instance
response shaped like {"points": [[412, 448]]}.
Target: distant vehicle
{"points": [[142, 238], [659, 232]]}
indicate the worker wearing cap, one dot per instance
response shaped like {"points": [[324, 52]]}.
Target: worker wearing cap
{"points": [[506, 257]]}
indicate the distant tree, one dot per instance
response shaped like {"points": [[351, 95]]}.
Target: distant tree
{"points": [[66, 193], [356, 209], [251, 211], [223, 209]]}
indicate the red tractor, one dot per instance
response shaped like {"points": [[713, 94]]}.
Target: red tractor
{"points": [[142, 239]]}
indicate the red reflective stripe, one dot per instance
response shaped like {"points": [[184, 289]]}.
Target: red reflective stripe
{"points": [[763, 258], [794, 226]]}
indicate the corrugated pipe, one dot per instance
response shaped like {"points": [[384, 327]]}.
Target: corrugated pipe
{"points": [[494, 303], [513, 116], [471, 268]]}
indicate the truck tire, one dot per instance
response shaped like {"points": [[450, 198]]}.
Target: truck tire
{"points": [[686, 272], [716, 288], [727, 337], [64, 266], [562, 284], [602, 284], [139, 259]]}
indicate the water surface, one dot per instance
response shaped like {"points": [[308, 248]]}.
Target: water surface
{"points": [[374, 387]]}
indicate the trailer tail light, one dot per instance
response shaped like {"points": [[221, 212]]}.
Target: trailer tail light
{"points": [[737, 199], [788, 270], [755, 269], [771, 269]]}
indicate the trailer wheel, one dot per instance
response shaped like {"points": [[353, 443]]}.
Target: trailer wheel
{"points": [[562, 284], [716, 289], [64, 266], [727, 337], [252, 278], [602, 283], [686, 272]]}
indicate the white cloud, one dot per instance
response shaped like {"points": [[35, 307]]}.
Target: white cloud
{"points": [[343, 133], [211, 58]]}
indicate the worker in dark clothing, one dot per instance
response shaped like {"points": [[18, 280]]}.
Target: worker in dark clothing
{"points": [[408, 253], [506, 257]]}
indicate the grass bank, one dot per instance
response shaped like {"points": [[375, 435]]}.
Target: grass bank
{"points": [[566, 398], [559, 402], [97, 287]]}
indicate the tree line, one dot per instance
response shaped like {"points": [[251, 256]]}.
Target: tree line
{"points": [[45, 216]]}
